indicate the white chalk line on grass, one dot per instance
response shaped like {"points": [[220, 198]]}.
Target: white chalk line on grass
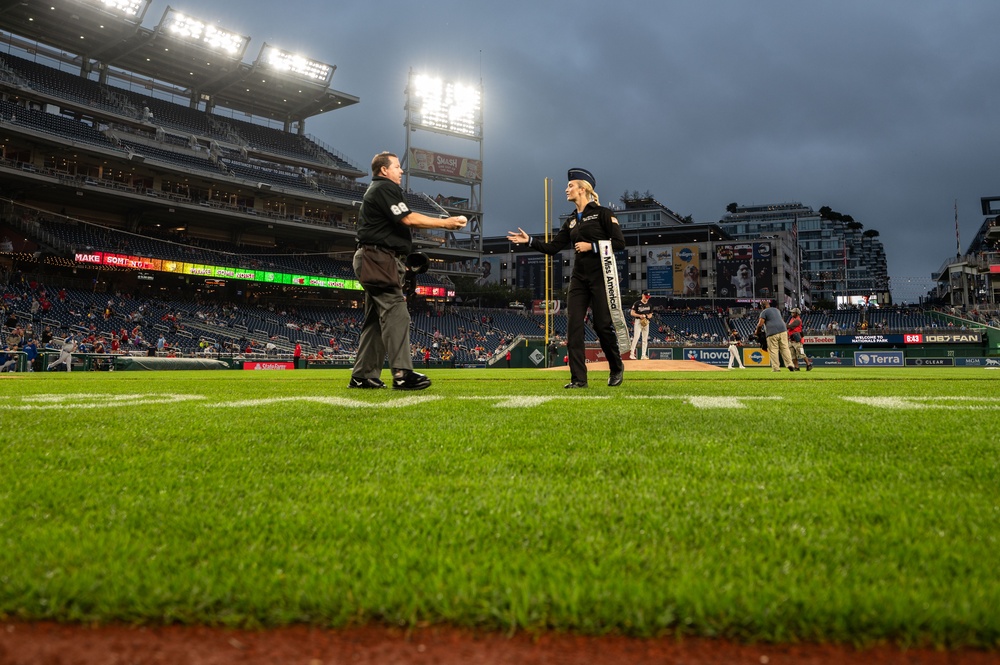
{"points": [[712, 402], [91, 401], [940, 402], [332, 401], [522, 401]]}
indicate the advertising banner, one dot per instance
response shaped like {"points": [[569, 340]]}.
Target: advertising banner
{"points": [[687, 271], [710, 356], [435, 292], [538, 306], [489, 270], [930, 362], [530, 274], [762, 265], [977, 362], [944, 338], [221, 272], [878, 358], [270, 365], [95, 258], [871, 339], [756, 357], [832, 362], [734, 266], [439, 163], [174, 266], [660, 268]]}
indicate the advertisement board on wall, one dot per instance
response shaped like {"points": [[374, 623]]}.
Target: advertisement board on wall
{"points": [[687, 271], [439, 163], [660, 268], [878, 358], [744, 270]]}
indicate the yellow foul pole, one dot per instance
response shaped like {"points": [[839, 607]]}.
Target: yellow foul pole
{"points": [[548, 266]]}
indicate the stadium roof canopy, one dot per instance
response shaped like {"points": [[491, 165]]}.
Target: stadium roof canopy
{"points": [[204, 61]]}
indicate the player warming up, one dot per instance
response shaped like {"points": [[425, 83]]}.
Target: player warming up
{"points": [[642, 314]]}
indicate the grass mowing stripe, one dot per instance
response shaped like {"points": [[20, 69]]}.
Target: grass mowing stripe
{"points": [[784, 512]]}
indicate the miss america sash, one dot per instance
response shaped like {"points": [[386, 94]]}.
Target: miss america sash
{"points": [[614, 295]]}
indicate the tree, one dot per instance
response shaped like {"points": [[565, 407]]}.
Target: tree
{"points": [[870, 233], [731, 208]]}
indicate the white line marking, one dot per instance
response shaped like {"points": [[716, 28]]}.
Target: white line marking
{"points": [[521, 401], [90, 401], [707, 402], [917, 403], [333, 401]]}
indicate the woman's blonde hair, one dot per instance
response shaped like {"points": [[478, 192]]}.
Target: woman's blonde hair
{"points": [[591, 194]]}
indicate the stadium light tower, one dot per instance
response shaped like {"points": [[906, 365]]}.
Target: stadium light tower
{"points": [[445, 106], [188, 29], [453, 109], [294, 65], [133, 10]]}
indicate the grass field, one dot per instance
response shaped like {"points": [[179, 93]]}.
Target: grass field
{"points": [[848, 505]]}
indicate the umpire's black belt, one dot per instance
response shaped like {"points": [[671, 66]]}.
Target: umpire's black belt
{"points": [[382, 248]]}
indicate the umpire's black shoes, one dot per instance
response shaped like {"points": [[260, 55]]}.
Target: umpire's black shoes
{"points": [[356, 382], [410, 380], [615, 379], [576, 384]]}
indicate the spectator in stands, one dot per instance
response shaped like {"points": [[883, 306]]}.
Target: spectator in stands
{"points": [[384, 230], [15, 337], [774, 327], [591, 224]]}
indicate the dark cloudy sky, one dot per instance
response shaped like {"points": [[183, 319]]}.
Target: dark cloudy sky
{"points": [[882, 109]]}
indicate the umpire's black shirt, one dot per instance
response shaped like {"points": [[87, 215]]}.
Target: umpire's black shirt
{"points": [[380, 221]]}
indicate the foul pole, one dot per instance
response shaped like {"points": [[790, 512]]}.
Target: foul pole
{"points": [[548, 268]]}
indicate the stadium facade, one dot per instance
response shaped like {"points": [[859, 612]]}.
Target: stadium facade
{"points": [[113, 131], [693, 264], [840, 262], [971, 280]]}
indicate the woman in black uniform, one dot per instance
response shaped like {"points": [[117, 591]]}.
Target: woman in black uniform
{"points": [[590, 224]]}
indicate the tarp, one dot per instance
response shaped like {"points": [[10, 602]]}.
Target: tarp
{"points": [[132, 363]]}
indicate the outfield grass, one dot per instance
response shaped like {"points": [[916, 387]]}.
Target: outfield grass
{"points": [[849, 505]]}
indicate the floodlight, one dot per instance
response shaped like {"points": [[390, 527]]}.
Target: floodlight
{"points": [[445, 105], [188, 29], [125, 8], [298, 66]]}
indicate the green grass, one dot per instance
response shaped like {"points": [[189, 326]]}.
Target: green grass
{"points": [[789, 514]]}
